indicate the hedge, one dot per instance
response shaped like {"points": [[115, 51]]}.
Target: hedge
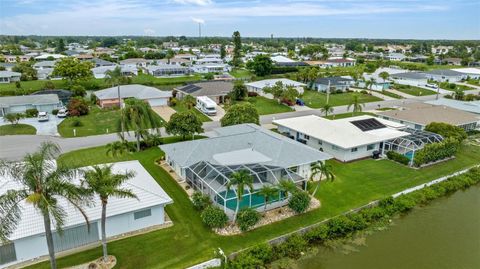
{"points": [[397, 157], [247, 218], [436, 151], [345, 225], [214, 217]]}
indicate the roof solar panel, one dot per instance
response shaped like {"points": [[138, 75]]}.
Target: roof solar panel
{"points": [[190, 88], [368, 124]]}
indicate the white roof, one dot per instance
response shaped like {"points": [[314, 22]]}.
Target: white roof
{"points": [[242, 156], [8, 74], [46, 55], [281, 59], [148, 191], [207, 101], [271, 82], [342, 132], [469, 106], [468, 70], [133, 90]]}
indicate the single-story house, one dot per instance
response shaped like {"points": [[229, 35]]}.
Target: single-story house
{"points": [[467, 106], [44, 65], [139, 62], [155, 97], [127, 70], [215, 90], [124, 216], [211, 68], [419, 115], [335, 62], [345, 139], [469, 72], [395, 56], [209, 60], [332, 83], [165, 70], [442, 75], [258, 86], [9, 76], [63, 95], [410, 78], [283, 61], [101, 62], [207, 164], [45, 73], [46, 56], [175, 61], [453, 61], [7, 66], [20, 104], [186, 56]]}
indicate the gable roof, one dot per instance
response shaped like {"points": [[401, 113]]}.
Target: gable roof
{"points": [[333, 80], [266, 146], [208, 88], [132, 91], [148, 191]]}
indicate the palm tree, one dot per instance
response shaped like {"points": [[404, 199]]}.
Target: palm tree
{"points": [[384, 75], [322, 169], [116, 77], [327, 109], [267, 191], [355, 103], [240, 179], [286, 186], [41, 183], [137, 116], [103, 182], [189, 101], [117, 148]]}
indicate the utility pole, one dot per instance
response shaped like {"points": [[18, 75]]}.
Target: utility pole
{"points": [[199, 29]]}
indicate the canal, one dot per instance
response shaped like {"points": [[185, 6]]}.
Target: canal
{"points": [[442, 235]]}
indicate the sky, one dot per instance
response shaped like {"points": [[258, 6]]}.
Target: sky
{"points": [[393, 19]]}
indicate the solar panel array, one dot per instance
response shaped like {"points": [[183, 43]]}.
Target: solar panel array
{"points": [[190, 88], [368, 124]]}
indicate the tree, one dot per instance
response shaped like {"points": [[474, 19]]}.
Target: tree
{"points": [[78, 91], [262, 65], [384, 75], [355, 104], [42, 183], [184, 124], [240, 113], [27, 70], [170, 54], [103, 182], [327, 109], [239, 91], [321, 169], [77, 107], [189, 101], [137, 116], [223, 53], [73, 70], [13, 118], [447, 130], [287, 187], [237, 49], [282, 92], [116, 77], [60, 46], [267, 191], [117, 148], [240, 179]]}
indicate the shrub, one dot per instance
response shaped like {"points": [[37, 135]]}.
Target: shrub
{"points": [[31, 112], [446, 130], [200, 201], [247, 218], [78, 107], [55, 112], [173, 101], [49, 85], [76, 122], [299, 201], [397, 157], [340, 226], [214, 217], [78, 91], [317, 234], [292, 247], [364, 92], [436, 151]]}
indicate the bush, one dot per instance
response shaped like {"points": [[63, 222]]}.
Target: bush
{"points": [[55, 112], [31, 113], [76, 122], [317, 234], [436, 151], [299, 201], [397, 157], [214, 217], [173, 101], [364, 92], [78, 107], [78, 91], [446, 130], [200, 201], [340, 226], [292, 247], [247, 218], [49, 85]]}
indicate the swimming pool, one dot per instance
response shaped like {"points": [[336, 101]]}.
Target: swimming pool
{"points": [[409, 155], [257, 200]]}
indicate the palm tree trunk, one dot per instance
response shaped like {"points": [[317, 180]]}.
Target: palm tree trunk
{"points": [[138, 142], [318, 184], [104, 234], [236, 210], [49, 237], [265, 206]]}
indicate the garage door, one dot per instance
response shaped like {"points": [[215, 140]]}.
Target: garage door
{"points": [[158, 102], [75, 237]]}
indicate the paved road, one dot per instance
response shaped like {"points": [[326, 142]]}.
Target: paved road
{"points": [[15, 147]]}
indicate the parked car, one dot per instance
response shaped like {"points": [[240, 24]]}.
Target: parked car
{"points": [[431, 85], [62, 113], [43, 116]]}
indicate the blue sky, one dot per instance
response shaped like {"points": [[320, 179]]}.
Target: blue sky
{"points": [[417, 19]]}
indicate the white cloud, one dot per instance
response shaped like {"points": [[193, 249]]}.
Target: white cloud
{"points": [[198, 20], [149, 31], [194, 2]]}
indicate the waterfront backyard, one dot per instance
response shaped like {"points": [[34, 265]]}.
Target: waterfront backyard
{"points": [[356, 184]]}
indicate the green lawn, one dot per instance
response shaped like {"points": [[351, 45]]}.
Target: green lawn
{"points": [[241, 73], [188, 241], [267, 106], [316, 99], [95, 123], [18, 129], [348, 115], [391, 94], [454, 87], [412, 90], [179, 107], [474, 82]]}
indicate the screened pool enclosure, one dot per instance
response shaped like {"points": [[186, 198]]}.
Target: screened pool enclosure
{"points": [[213, 179]]}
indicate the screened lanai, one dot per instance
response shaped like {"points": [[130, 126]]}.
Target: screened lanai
{"points": [[408, 145], [212, 179]]}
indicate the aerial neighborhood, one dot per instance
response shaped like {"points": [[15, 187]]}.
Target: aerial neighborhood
{"points": [[154, 146]]}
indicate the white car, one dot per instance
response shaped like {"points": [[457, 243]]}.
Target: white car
{"points": [[433, 86], [62, 113], [43, 116]]}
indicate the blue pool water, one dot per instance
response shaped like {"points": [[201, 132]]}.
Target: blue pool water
{"points": [[409, 154], [257, 200]]}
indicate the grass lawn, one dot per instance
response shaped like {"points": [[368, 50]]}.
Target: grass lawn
{"points": [[412, 90], [316, 99], [474, 82], [348, 115], [241, 73], [454, 87], [391, 94], [27, 87], [179, 107], [188, 241], [18, 129], [267, 106]]}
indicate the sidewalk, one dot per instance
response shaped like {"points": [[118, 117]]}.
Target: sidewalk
{"points": [[408, 96]]}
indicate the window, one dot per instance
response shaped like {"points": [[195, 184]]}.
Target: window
{"points": [[371, 146], [7, 253], [354, 149], [320, 142], [142, 214]]}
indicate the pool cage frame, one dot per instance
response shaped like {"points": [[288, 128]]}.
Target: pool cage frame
{"points": [[413, 142], [212, 179]]}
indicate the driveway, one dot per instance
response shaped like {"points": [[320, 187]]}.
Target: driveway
{"points": [[43, 128], [220, 114], [165, 112]]}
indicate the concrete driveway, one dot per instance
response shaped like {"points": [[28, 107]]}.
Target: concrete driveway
{"points": [[165, 112], [43, 128], [220, 114]]}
